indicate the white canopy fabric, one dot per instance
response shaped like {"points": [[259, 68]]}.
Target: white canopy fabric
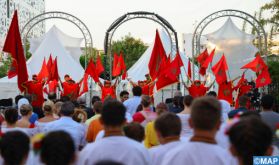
{"points": [[235, 44], [71, 44]]}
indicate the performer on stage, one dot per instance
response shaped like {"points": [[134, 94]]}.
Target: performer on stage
{"points": [[147, 85], [108, 90], [243, 89], [197, 88], [70, 87], [34, 88]]}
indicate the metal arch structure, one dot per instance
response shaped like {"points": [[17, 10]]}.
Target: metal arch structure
{"points": [[227, 13], [59, 15], [137, 15]]}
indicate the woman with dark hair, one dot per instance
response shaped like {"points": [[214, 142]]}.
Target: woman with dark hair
{"points": [[57, 148], [14, 148], [250, 137]]}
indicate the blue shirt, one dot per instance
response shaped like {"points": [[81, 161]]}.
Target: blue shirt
{"points": [[132, 104], [232, 113]]}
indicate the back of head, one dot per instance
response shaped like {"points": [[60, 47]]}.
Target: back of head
{"points": [[250, 137], [11, 116], [267, 102], [205, 113], [52, 96], [137, 91], [48, 107], [21, 102], [14, 147], [161, 108], [57, 107], [168, 124], [67, 109], [79, 115], [176, 100], [57, 148], [94, 99], [98, 106], [113, 113], [26, 109], [123, 93], [187, 100], [212, 93], [145, 101], [243, 101], [134, 131]]}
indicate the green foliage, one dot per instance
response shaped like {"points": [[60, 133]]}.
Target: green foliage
{"points": [[274, 71], [5, 67], [273, 7], [131, 48]]}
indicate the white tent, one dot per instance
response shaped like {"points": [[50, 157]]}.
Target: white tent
{"points": [[51, 44], [235, 44], [71, 44]]}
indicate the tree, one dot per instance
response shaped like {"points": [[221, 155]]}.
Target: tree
{"points": [[273, 7], [131, 48]]}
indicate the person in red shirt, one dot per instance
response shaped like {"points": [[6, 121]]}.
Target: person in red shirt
{"points": [[197, 88], [70, 88], [34, 88], [147, 85], [243, 89], [108, 90], [146, 115], [225, 91]]}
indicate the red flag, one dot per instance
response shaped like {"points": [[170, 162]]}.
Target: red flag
{"points": [[91, 70], [99, 66], [225, 92], [13, 46], [256, 65], [208, 59], [51, 87], [122, 66], [241, 80], [71, 90], [35, 90], [116, 68], [157, 56], [49, 63], [263, 79], [164, 81], [43, 74], [54, 71], [220, 69], [83, 86], [189, 69], [202, 57]]}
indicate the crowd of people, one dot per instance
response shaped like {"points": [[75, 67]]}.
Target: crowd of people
{"points": [[188, 130]]}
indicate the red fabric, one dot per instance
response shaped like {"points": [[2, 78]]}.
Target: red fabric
{"points": [[256, 65], [138, 117], [147, 89], [263, 79], [83, 85], [49, 63], [219, 70], [241, 80], [157, 56], [197, 91], [189, 69], [99, 66], [35, 90], [71, 90], [91, 70], [54, 71], [108, 91], [116, 68], [122, 66], [205, 64], [52, 87], [43, 74], [243, 89], [202, 57], [225, 92], [13, 46]]}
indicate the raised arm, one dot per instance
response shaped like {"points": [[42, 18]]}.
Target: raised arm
{"points": [[236, 78], [132, 82]]}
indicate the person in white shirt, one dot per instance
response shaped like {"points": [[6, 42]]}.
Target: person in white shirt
{"points": [[184, 116], [114, 146], [132, 103], [67, 124], [168, 128], [202, 148]]}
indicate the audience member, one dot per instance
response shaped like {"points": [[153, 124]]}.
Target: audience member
{"points": [[124, 95], [132, 103], [242, 106], [134, 131], [146, 115]]}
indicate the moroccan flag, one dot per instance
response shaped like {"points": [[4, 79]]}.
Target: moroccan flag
{"points": [[116, 68], [54, 71], [219, 70], [164, 81], [256, 65], [208, 59], [71, 90], [189, 69], [241, 80], [83, 85], [13, 46], [43, 74], [202, 57], [157, 56], [225, 92], [91, 70], [263, 79], [35, 90], [99, 66], [49, 63], [122, 66]]}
